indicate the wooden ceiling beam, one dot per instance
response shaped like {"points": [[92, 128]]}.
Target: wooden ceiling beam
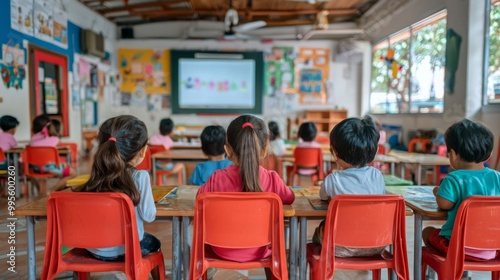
{"points": [[291, 22], [141, 6], [336, 12], [341, 12]]}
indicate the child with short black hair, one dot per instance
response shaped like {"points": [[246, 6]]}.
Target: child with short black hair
{"points": [[469, 146], [307, 133], [276, 143], [8, 124], [213, 139], [353, 144], [166, 128]]}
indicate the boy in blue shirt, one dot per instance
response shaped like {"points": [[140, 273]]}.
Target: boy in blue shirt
{"points": [[213, 139], [469, 145]]}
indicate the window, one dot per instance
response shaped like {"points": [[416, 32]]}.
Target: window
{"points": [[493, 90], [408, 69]]}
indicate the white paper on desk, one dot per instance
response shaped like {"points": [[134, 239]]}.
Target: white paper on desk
{"points": [[420, 194]]}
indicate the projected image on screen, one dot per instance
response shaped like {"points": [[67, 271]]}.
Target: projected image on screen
{"points": [[216, 83]]}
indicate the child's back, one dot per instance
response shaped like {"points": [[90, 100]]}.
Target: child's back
{"points": [[213, 138], [166, 128], [8, 124], [45, 134], [307, 135]]}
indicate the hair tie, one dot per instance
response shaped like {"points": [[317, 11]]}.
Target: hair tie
{"points": [[45, 130], [112, 139], [247, 124]]}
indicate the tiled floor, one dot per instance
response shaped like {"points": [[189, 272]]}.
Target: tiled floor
{"points": [[162, 230]]}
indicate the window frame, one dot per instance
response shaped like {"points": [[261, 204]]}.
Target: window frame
{"points": [[487, 105], [389, 41]]}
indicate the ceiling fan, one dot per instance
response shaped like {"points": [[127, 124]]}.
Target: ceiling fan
{"points": [[231, 29]]}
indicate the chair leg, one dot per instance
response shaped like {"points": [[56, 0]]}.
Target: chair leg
{"points": [[155, 273], [495, 275], [376, 274], [83, 275], [159, 180], [424, 271], [179, 178]]}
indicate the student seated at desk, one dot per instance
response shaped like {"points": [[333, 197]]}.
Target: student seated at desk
{"points": [[122, 146], [353, 144], [247, 139], [307, 135], [276, 144], [469, 146], [8, 124], [45, 135], [164, 139], [213, 139]]}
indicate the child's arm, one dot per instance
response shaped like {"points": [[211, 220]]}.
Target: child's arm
{"points": [[322, 192], [441, 202]]}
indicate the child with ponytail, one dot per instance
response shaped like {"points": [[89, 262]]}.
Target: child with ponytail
{"points": [[122, 146], [247, 139]]}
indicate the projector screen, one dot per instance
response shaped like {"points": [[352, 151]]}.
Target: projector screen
{"points": [[212, 83], [216, 82]]}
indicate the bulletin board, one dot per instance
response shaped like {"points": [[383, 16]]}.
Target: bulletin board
{"points": [[279, 73], [313, 72], [148, 67]]}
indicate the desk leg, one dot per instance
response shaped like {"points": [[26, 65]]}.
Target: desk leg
{"points": [[303, 249], [153, 161], [30, 228], [419, 174], [176, 249], [393, 168], [417, 246], [186, 250], [293, 248], [403, 171]]}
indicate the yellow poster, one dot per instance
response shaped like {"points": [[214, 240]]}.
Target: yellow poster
{"points": [[148, 69]]}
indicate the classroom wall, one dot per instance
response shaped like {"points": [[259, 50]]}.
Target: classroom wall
{"points": [[466, 18], [16, 102], [345, 78]]}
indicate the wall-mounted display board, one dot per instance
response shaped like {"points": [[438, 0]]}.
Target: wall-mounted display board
{"points": [[145, 68], [313, 70]]}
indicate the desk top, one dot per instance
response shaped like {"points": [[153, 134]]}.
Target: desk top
{"points": [[182, 205], [420, 199], [423, 159], [181, 154]]}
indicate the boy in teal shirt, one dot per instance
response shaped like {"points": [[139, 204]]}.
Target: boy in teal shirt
{"points": [[469, 145], [213, 139]]}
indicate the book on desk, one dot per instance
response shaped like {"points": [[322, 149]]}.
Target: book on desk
{"points": [[160, 194]]}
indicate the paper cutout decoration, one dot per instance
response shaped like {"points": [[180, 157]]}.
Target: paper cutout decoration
{"points": [[453, 41], [12, 70], [395, 66]]}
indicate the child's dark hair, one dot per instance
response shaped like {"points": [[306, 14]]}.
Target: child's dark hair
{"points": [[42, 121], [274, 130], [166, 126], [472, 141], [8, 122], [355, 141], [120, 140], [247, 136], [213, 138], [57, 126], [307, 131]]}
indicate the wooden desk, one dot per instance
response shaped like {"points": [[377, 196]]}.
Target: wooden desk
{"points": [[423, 203], [188, 156], [186, 145], [179, 210], [420, 160], [387, 159], [13, 158]]}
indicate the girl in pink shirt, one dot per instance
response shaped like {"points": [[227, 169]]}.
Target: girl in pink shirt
{"points": [[45, 135], [247, 140], [166, 128]]}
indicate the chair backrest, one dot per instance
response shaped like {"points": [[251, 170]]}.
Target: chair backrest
{"points": [[363, 221], [442, 150], [381, 149], [2, 156], [270, 162], [308, 158], [238, 220], [156, 148], [425, 145], [91, 220], [146, 162], [477, 225], [39, 156]]}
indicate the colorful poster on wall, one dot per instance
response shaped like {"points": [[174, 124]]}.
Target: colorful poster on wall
{"points": [[50, 96], [147, 67], [60, 28], [280, 70], [21, 16], [12, 68], [43, 17], [313, 68]]}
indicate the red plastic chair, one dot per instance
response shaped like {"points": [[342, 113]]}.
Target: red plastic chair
{"points": [[271, 162], [362, 221], [72, 221], [160, 173], [307, 158], [3, 158], [441, 151], [74, 152], [238, 220], [477, 225], [425, 145], [39, 156], [146, 162]]}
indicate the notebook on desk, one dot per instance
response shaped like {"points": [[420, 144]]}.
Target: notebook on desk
{"points": [[160, 194], [318, 204]]}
